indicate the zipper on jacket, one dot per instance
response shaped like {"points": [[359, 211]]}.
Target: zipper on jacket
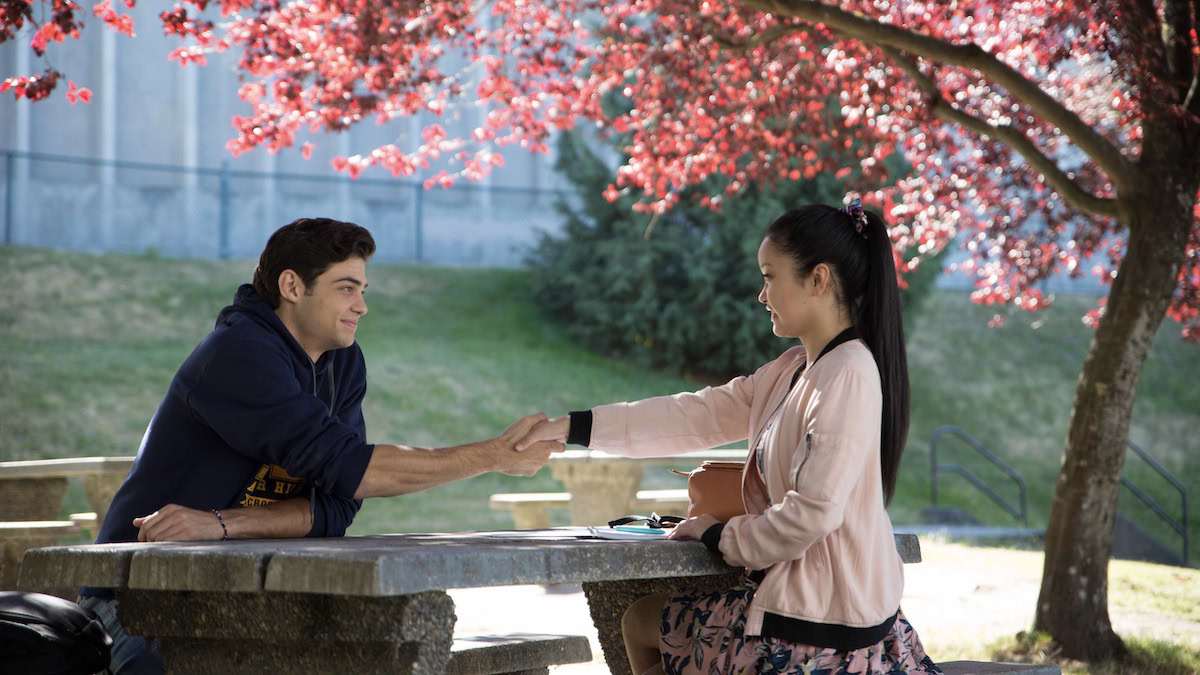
{"points": [[312, 488], [807, 451], [332, 387]]}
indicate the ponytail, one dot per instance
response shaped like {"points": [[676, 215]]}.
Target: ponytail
{"points": [[881, 326], [861, 258]]}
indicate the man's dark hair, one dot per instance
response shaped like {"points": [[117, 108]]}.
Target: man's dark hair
{"points": [[308, 247]]}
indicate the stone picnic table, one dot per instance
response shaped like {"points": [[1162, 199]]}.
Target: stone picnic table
{"points": [[34, 489], [32, 495], [603, 486], [364, 603]]}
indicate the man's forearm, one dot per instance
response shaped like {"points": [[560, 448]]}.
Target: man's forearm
{"points": [[282, 519], [399, 469]]}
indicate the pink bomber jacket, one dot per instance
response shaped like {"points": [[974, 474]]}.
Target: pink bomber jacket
{"points": [[815, 520]]}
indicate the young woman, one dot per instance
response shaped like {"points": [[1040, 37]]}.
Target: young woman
{"points": [[826, 423]]}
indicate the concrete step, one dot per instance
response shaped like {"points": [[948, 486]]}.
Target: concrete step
{"points": [[1131, 542]]}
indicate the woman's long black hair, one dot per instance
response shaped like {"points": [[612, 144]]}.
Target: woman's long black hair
{"points": [[865, 274]]}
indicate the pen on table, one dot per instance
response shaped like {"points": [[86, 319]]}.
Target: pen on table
{"points": [[639, 530]]}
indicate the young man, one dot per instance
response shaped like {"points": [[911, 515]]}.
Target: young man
{"points": [[261, 433]]}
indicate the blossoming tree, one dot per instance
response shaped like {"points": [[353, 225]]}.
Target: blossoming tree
{"points": [[1056, 135]]}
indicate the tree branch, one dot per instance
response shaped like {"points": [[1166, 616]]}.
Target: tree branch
{"points": [[1105, 154], [1062, 183], [1177, 41], [758, 40]]}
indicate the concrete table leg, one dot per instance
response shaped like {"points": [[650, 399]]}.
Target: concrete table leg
{"points": [[100, 488], [531, 516], [608, 600], [600, 490], [293, 632], [31, 498]]}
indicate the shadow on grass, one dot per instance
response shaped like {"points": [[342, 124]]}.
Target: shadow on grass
{"points": [[1146, 657]]}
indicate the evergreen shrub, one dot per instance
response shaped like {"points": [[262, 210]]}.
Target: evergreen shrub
{"points": [[683, 298]]}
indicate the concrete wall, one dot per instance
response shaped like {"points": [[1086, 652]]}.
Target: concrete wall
{"points": [[148, 110]]}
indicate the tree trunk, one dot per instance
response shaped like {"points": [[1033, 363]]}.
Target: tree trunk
{"points": [[1073, 602]]}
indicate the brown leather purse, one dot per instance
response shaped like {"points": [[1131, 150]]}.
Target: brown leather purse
{"points": [[715, 488]]}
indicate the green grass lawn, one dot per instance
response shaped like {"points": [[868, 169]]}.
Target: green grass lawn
{"points": [[1012, 388], [89, 343], [976, 603]]}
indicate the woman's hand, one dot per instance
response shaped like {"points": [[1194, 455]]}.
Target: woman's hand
{"points": [[514, 462], [555, 430], [692, 528]]}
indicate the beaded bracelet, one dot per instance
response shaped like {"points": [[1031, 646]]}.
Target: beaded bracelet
{"points": [[224, 530]]}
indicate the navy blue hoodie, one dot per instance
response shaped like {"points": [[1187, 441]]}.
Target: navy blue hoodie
{"points": [[247, 398]]}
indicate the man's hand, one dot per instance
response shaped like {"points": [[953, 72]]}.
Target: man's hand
{"points": [[532, 456], [554, 430], [179, 523], [692, 528]]}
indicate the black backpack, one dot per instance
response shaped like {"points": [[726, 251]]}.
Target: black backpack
{"points": [[47, 635]]}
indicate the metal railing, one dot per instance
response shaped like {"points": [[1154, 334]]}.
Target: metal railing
{"points": [[1180, 528], [1021, 514]]}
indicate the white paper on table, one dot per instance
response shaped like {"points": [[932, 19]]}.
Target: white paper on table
{"points": [[625, 535]]}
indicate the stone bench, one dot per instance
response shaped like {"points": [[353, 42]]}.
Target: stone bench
{"points": [[17, 537], [524, 653], [990, 668], [88, 523], [605, 486], [531, 510], [673, 502]]}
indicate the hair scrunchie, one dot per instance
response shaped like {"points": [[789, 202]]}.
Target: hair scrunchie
{"points": [[854, 208]]}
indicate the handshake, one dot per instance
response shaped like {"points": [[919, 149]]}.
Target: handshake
{"points": [[521, 450], [525, 446]]}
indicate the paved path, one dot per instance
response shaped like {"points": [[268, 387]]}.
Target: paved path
{"points": [[954, 598]]}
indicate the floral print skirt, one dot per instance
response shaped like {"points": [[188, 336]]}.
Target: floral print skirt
{"points": [[705, 633]]}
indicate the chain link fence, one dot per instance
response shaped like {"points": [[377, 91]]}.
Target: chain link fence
{"points": [[134, 207]]}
